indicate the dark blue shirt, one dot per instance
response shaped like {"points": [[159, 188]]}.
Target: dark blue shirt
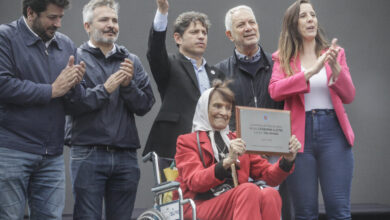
{"points": [[30, 120], [100, 118]]}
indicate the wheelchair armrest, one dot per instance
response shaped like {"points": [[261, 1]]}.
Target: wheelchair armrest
{"points": [[165, 187]]}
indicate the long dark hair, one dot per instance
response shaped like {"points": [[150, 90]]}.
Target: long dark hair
{"points": [[290, 40]]}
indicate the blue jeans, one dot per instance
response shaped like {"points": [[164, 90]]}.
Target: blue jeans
{"points": [[38, 179], [328, 160], [99, 173]]}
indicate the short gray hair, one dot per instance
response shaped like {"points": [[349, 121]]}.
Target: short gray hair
{"points": [[88, 8], [228, 17]]}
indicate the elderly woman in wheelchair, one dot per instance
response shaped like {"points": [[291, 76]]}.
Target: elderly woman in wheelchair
{"points": [[204, 159]]}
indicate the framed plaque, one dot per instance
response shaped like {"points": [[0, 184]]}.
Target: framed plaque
{"points": [[265, 131]]}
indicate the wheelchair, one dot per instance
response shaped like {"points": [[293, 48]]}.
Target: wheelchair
{"points": [[165, 211]]}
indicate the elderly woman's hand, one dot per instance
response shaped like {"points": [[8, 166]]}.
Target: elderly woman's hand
{"points": [[237, 148], [295, 146]]}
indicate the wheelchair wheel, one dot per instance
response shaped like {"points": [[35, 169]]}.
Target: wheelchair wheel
{"points": [[151, 214]]}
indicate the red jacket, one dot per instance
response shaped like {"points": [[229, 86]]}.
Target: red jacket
{"points": [[292, 89], [194, 178]]}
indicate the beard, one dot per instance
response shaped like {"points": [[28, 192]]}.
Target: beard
{"points": [[98, 36], [44, 33]]}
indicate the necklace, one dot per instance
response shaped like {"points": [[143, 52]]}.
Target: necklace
{"points": [[219, 141], [221, 154]]}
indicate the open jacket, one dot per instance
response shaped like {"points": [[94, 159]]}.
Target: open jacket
{"points": [[30, 120], [291, 90], [179, 91], [103, 118], [195, 178], [249, 90]]}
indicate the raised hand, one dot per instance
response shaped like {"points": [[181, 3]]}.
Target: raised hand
{"points": [[162, 6], [128, 69], [294, 147]]}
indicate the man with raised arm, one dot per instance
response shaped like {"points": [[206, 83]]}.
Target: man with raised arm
{"points": [[180, 77]]}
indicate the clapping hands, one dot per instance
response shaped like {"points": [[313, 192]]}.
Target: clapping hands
{"points": [[122, 77], [71, 75], [331, 58]]}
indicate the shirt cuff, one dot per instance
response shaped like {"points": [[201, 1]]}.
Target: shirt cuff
{"points": [[220, 172], [129, 88], [103, 88], [285, 165], [160, 22]]}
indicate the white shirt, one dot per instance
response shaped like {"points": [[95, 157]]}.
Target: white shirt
{"points": [[319, 96], [160, 21]]}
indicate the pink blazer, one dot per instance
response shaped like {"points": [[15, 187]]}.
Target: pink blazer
{"points": [[292, 89]]}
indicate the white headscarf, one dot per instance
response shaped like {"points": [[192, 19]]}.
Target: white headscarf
{"points": [[201, 121]]}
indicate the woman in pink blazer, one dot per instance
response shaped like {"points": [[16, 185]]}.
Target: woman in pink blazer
{"points": [[313, 79], [204, 158]]}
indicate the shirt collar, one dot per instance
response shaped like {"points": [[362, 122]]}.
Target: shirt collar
{"points": [[113, 50], [247, 59], [193, 61], [47, 43]]}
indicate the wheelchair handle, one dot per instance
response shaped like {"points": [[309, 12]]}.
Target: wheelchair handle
{"points": [[152, 156], [149, 156]]}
